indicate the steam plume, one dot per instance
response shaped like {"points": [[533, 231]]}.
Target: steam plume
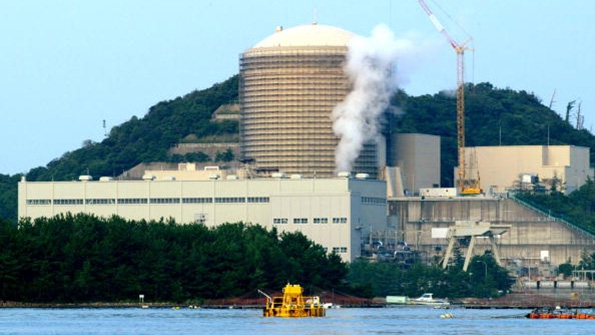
{"points": [[371, 63]]}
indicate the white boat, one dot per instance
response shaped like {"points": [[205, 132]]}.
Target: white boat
{"points": [[329, 305], [429, 300]]}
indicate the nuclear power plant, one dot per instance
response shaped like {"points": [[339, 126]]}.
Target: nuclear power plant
{"points": [[290, 84]]}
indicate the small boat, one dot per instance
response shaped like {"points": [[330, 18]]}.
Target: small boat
{"points": [[293, 304], [429, 300], [329, 305]]}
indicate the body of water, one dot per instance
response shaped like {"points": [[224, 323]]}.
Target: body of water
{"points": [[401, 320]]}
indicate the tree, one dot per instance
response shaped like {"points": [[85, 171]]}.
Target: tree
{"points": [[566, 269], [226, 156]]}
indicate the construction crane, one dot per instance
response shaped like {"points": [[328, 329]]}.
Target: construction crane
{"points": [[471, 186]]}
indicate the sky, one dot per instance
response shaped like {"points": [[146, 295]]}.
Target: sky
{"points": [[71, 70]]}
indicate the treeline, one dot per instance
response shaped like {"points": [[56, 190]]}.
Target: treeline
{"points": [[578, 207], [83, 258], [484, 278]]}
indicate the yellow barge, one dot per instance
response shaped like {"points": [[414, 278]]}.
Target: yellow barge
{"points": [[293, 304]]}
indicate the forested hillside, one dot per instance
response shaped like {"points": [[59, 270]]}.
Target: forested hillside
{"points": [[493, 116], [146, 139]]}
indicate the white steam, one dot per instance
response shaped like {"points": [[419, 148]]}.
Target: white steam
{"points": [[371, 67]]}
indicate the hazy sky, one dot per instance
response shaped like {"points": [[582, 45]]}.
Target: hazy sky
{"points": [[67, 65]]}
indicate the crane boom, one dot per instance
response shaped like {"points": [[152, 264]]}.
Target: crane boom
{"points": [[465, 187], [437, 24]]}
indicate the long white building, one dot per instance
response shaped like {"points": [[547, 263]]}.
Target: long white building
{"points": [[335, 212]]}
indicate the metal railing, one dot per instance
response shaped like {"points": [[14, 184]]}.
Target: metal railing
{"points": [[554, 216]]}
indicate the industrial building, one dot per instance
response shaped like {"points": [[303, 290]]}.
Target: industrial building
{"points": [[525, 167], [417, 160], [289, 84], [535, 243], [333, 212]]}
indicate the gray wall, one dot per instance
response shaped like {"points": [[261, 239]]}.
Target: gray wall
{"points": [[524, 244]]}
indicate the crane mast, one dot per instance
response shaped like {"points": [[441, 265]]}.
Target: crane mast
{"points": [[466, 187]]}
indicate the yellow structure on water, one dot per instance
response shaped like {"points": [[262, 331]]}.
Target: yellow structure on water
{"points": [[293, 304]]}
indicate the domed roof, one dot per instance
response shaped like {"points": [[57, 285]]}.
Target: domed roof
{"points": [[307, 35]]}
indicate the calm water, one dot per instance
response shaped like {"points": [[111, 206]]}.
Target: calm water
{"points": [[406, 320]]}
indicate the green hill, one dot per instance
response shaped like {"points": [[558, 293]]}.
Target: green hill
{"points": [[493, 116], [147, 139]]}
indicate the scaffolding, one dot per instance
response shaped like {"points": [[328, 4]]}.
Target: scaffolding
{"points": [[287, 95]]}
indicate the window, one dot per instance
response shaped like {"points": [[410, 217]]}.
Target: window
{"points": [[340, 250], [165, 200], [258, 199], [300, 220], [39, 202], [132, 201], [197, 200], [68, 201], [339, 220], [373, 201], [229, 200], [321, 220], [100, 201], [280, 220]]}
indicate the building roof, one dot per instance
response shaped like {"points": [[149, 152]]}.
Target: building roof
{"points": [[307, 35]]}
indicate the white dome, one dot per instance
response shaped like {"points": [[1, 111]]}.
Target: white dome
{"points": [[307, 35]]}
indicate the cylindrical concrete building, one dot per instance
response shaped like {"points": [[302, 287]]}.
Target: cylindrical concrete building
{"points": [[290, 83]]}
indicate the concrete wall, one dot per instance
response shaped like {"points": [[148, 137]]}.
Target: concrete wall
{"points": [[418, 156], [530, 235]]}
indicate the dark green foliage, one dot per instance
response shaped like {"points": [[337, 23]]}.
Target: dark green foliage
{"points": [[226, 156], [389, 278], [9, 196], [487, 278], [577, 208], [566, 269], [83, 258]]}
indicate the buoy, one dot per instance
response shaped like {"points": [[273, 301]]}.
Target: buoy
{"points": [[446, 316]]}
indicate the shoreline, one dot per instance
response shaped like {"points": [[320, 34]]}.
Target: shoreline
{"points": [[514, 300]]}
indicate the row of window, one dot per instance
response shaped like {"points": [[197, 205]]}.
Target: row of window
{"points": [[135, 201], [340, 250], [230, 200], [305, 220], [219, 200], [337, 250], [373, 201]]}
